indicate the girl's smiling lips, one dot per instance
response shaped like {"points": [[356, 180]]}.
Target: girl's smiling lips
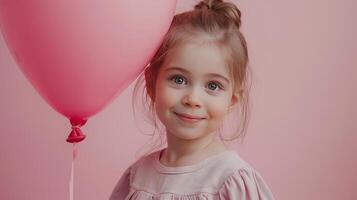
{"points": [[189, 118]]}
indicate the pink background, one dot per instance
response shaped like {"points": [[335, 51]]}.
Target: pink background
{"points": [[302, 136]]}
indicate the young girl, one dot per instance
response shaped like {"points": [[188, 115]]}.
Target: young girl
{"points": [[197, 77]]}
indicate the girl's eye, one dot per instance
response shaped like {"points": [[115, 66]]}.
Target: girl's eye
{"points": [[214, 85], [177, 79]]}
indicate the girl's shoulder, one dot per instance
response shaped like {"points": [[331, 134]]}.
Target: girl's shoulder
{"points": [[140, 163], [245, 183]]}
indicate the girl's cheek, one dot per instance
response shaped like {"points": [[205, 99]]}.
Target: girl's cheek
{"points": [[218, 107], [170, 94], [166, 95]]}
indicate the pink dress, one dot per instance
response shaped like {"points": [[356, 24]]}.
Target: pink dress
{"points": [[224, 176]]}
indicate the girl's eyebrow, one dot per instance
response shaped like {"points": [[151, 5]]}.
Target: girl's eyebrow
{"points": [[186, 71]]}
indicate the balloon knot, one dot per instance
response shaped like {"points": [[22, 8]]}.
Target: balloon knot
{"points": [[76, 134]]}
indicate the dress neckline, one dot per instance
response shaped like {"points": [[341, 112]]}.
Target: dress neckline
{"points": [[188, 168]]}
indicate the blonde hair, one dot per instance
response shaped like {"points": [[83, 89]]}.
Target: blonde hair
{"points": [[213, 22]]}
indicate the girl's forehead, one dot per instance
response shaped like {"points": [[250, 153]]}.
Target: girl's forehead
{"points": [[198, 59]]}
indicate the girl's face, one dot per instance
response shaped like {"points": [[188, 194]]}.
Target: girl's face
{"points": [[194, 82]]}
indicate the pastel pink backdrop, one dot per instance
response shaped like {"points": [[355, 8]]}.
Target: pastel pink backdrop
{"points": [[301, 137]]}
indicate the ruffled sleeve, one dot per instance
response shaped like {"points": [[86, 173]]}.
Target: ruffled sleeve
{"points": [[122, 187], [245, 184]]}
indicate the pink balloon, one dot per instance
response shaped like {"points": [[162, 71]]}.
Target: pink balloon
{"points": [[80, 55]]}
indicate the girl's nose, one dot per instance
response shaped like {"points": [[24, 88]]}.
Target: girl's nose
{"points": [[192, 98]]}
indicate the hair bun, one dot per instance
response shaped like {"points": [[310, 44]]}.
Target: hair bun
{"points": [[227, 9]]}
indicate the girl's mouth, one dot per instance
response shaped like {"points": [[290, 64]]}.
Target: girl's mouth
{"points": [[188, 118]]}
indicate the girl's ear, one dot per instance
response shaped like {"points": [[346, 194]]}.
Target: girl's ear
{"points": [[234, 100]]}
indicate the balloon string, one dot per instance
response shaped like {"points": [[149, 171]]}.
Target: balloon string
{"points": [[71, 181]]}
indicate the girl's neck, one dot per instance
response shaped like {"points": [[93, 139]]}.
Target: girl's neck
{"points": [[172, 157]]}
